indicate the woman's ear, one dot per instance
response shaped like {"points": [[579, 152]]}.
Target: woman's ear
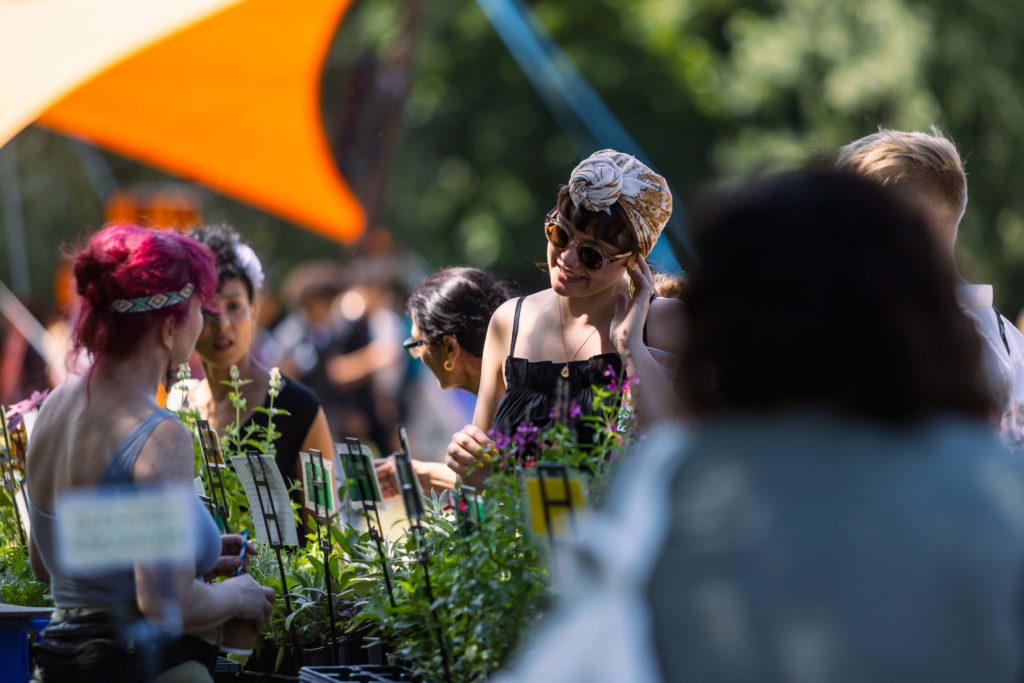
{"points": [[168, 326], [451, 348]]}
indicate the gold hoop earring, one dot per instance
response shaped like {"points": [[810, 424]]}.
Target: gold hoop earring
{"points": [[449, 365]]}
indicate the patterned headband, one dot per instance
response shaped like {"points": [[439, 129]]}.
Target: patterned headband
{"points": [[152, 302]]}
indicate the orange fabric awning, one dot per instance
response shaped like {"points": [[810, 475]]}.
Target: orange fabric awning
{"points": [[231, 101]]}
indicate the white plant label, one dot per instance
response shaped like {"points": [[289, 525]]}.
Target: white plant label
{"points": [[282, 533]]}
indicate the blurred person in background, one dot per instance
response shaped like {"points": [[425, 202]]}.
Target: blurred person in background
{"points": [[229, 328], [838, 510], [142, 292], [927, 170], [370, 369], [450, 310], [670, 285], [599, 319], [22, 369]]}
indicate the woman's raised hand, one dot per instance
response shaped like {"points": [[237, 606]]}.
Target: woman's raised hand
{"points": [[467, 454], [627, 327]]}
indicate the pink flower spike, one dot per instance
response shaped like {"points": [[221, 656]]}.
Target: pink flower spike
{"points": [[15, 413]]}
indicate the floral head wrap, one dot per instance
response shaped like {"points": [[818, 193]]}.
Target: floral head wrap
{"points": [[608, 176]]}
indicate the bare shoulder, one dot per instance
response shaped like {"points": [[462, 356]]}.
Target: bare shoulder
{"points": [[167, 454], [666, 324], [502, 320]]}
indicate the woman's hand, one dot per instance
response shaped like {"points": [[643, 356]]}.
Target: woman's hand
{"points": [[468, 454], [430, 475], [255, 601], [627, 327], [230, 557]]}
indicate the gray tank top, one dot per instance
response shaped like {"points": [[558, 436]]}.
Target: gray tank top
{"points": [[116, 587]]}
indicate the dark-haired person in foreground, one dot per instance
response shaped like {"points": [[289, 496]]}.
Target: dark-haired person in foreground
{"points": [[450, 310], [840, 510]]}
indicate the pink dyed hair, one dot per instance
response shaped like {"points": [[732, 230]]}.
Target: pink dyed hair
{"points": [[124, 261]]}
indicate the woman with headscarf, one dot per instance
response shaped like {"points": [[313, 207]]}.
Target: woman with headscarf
{"points": [[598, 321]]}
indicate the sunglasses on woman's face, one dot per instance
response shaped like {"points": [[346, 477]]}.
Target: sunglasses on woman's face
{"points": [[590, 256]]}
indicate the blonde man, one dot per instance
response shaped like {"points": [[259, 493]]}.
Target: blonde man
{"points": [[927, 169]]}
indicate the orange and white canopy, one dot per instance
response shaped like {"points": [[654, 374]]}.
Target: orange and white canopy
{"points": [[221, 92]]}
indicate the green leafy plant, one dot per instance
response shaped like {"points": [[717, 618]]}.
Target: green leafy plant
{"points": [[18, 583], [490, 581], [255, 437], [309, 616]]}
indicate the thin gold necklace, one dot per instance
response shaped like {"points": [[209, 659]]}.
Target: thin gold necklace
{"points": [[561, 322]]}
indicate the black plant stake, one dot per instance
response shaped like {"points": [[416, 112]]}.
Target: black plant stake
{"points": [[413, 499], [259, 477], [211, 453], [323, 538], [368, 498], [547, 472]]}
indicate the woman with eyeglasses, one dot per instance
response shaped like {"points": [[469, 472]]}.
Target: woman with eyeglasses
{"points": [[450, 310], [599, 320]]}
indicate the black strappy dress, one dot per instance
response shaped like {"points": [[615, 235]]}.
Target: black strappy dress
{"points": [[532, 388]]}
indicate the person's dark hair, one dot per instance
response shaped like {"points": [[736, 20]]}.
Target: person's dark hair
{"points": [[613, 228], [222, 239], [459, 302], [824, 289]]}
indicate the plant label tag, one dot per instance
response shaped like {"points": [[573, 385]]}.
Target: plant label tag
{"points": [[197, 483], [318, 499], [360, 475], [409, 485], [210, 444], [554, 501], [269, 505], [115, 529]]}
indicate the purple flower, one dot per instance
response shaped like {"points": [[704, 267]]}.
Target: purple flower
{"points": [[527, 430], [500, 439], [574, 410]]}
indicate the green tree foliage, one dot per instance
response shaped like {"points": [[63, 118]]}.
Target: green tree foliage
{"points": [[711, 89]]}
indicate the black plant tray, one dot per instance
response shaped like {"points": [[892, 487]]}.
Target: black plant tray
{"points": [[357, 674]]}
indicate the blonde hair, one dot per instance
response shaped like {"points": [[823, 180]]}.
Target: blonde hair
{"points": [[669, 285], [894, 157]]}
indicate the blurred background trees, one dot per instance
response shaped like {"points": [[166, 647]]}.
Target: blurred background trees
{"points": [[453, 152]]}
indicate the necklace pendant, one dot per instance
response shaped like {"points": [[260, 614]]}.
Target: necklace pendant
{"points": [[565, 371]]}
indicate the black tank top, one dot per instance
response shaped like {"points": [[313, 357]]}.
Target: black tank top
{"points": [[535, 387]]}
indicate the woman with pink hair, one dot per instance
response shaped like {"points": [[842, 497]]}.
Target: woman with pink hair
{"points": [[141, 311]]}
